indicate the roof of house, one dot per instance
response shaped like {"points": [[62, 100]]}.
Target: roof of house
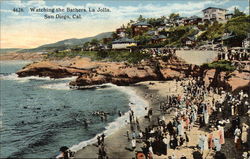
{"points": [[124, 40], [151, 32], [193, 17], [213, 8], [141, 24], [156, 37], [192, 38], [225, 37], [162, 37]]}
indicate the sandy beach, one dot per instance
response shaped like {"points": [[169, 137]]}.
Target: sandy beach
{"points": [[154, 92]]}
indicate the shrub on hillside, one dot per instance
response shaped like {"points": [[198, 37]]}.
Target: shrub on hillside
{"points": [[221, 65]]}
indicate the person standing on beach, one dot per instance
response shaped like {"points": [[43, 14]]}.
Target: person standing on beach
{"points": [[133, 143], [186, 138], [103, 136], [128, 135], [102, 152], [150, 113], [119, 113], [98, 140], [244, 134], [237, 139]]}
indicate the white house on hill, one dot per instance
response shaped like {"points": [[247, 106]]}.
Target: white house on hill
{"points": [[214, 14], [123, 43]]}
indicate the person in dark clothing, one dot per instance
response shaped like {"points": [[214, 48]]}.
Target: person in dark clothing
{"points": [[219, 155], [183, 157], [174, 143], [103, 136], [197, 155], [145, 150], [186, 138], [98, 140], [182, 140], [170, 128]]}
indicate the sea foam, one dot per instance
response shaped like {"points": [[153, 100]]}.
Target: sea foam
{"points": [[57, 86], [14, 76], [137, 104]]}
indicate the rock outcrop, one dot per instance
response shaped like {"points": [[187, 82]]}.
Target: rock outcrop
{"points": [[49, 69], [228, 80], [95, 73]]}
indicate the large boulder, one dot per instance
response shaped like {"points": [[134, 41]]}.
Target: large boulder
{"points": [[49, 69]]}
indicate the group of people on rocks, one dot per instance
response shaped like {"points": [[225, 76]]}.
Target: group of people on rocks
{"points": [[200, 106]]}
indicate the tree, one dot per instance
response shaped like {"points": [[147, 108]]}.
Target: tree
{"points": [[238, 13], [94, 42], [130, 22], [214, 31], [143, 39], [102, 54], [85, 45], [155, 21], [177, 33], [174, 16], [240, 27], [129, 31], [141, 19]]}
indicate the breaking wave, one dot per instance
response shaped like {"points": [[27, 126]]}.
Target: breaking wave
{"points": [[137, 104]]}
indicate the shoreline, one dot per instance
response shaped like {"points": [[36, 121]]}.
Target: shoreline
{"points": [[117, 143], [112, 126], [13, 56], [153, 92]]}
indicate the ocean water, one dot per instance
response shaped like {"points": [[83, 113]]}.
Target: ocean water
{"points": [[39, 115]]}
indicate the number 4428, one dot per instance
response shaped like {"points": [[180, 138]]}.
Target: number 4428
{"points": [[17, 9]]}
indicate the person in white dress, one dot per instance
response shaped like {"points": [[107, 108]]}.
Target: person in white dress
{"points": [[244, 134]]}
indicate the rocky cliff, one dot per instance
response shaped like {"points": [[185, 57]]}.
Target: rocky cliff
{"points": [[230, 80], [95, 73]]}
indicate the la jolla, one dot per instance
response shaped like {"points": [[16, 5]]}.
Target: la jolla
{"points": [[103, 10]]}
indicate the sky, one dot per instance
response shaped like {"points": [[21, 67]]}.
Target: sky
{"points": [[30, 29]]}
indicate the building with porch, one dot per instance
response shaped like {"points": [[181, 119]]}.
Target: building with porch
{"points": [[214, 14], [123, 43]]}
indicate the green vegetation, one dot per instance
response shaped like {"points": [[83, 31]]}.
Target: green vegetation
{"points": [[221, 65], [155, 22], [174, 16], [176, 34], [108, 55], [238, 13], [143, 39], [121, 55], [214, 31], [63, 54], [239, 26]]}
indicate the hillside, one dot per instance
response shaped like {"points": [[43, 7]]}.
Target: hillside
{"points": [[8, 50], [64, 44]]}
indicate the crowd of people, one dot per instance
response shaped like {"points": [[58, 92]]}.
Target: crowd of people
{"points": [[210, 109], [159, 51], [233, 55], [219, 115]]}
